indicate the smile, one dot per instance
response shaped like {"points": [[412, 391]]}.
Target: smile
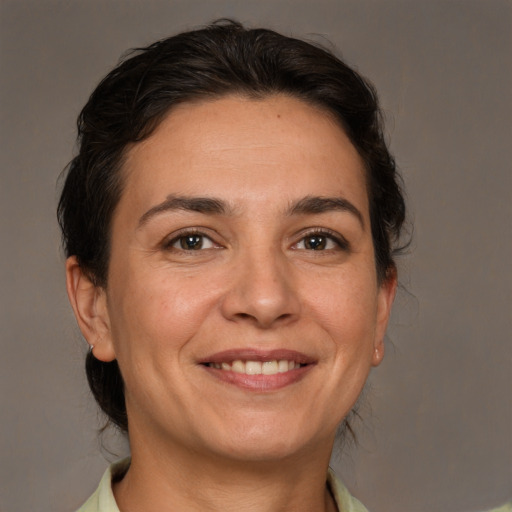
{"points": [[258, 370], [257, 367]]}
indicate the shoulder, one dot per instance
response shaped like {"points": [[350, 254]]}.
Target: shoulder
{"points": [[504, 508], [102, 500], [344, 500], [347, 503]]}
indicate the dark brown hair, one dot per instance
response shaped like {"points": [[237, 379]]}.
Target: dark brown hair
{"points": [[223, 58]]}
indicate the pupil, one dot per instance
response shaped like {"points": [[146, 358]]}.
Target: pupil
{"points": [[315, 242], [191, 242]]}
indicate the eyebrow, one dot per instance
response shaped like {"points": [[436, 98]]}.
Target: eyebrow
{"points": [[206, 205], [317, 204], [210, 205]]}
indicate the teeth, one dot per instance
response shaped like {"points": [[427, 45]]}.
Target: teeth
{"points": [[257, 367], [282, 366], [253, 368], [269, 368], [238, 367]]}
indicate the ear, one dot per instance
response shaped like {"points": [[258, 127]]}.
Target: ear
{"points": [[386, 296], [89, 303]]}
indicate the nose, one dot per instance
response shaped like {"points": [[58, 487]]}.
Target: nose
{"points": [[262, 291]]}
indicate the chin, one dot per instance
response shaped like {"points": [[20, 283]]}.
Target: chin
{"points": [[269, 441]]}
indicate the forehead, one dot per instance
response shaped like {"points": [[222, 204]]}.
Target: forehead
{"points": [[240, 149]]}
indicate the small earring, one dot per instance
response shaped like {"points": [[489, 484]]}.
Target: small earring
{"points": [[91, 347]]}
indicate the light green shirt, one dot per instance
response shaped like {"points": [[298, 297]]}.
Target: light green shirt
{"points": [[103, 499], [505, 508]]}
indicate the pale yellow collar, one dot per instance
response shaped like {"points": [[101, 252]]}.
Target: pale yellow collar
{"points": [[103, 498]]}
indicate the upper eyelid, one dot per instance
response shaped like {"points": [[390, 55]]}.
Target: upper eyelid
{"points": [[320, 231], [191, 230]]}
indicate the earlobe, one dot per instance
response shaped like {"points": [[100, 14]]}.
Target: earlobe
{"points": [[386, 297], [378, 353], [90, 307]]}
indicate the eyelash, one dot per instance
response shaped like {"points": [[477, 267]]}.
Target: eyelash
{"points": [[340, 242]]}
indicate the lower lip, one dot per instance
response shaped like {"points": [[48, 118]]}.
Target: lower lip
{"points": [[260, 382]]}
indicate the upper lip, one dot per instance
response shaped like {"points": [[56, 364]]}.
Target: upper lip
{"points": [[250, 354]]}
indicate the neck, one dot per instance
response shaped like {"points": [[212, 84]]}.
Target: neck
{"points": [[178, 479]]}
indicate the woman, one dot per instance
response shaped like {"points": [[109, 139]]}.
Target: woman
{"points": [[229, 224]]}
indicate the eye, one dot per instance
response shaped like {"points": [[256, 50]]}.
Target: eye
{"points": [[316, 243], [191, 242], [321, 241]]}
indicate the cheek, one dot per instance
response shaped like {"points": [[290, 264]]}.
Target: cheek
{"points": [[156, 312], [346, 309], [152, 323], [346, 299]]}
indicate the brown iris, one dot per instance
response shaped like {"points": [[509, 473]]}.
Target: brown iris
{"points": [[315, 243]]}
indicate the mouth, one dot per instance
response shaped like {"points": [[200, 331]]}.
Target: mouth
{"points": [[258, 370]]}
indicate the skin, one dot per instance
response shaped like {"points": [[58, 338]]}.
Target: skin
{"points": [[197, 441]]}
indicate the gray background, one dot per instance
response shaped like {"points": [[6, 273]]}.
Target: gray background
{"points": [[437, 430]]}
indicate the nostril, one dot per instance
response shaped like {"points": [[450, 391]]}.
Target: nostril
{"points": [[259, 319]]}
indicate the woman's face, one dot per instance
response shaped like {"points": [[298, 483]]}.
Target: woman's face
{"points": [[242, 302]]}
